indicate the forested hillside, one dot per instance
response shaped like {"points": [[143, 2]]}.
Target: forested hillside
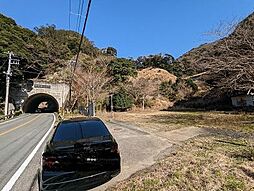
{"points": [[216, 71], [226, 65], [47, 52], [41, 51], [210, 73]]}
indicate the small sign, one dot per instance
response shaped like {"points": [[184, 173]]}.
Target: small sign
{"points": [[42, 86]]}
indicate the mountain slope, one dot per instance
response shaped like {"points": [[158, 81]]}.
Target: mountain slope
{"points": [[227, 64], [41, 51]]}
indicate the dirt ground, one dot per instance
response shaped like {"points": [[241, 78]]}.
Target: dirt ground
{"points": [[220, 160]]}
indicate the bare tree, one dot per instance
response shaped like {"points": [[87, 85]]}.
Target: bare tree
{"points": [[141, 88], [235, 63], [227, 64], [90, 80]]}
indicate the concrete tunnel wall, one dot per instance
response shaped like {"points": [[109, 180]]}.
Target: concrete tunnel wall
{"points": [[32, 103]]}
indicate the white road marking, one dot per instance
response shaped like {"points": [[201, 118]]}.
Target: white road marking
{"points": [[21, 169]]}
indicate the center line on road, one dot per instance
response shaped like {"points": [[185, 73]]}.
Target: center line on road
{"points": [[17, 174], [10, 130]]}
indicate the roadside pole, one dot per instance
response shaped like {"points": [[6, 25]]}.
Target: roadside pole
{"points": [[111, 105], [8, 75]]}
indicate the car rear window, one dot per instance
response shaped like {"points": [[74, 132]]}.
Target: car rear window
{"points": [[74, 131], [67, 132], [93, 129]]}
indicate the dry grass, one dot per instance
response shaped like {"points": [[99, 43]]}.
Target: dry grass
{"points": [[221, 161], [205, 164], [166, 121], [156, 74], [70, 116]]}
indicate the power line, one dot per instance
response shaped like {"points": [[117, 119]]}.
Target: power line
{"points": [[69, 15], [3, 64], [79, 14], [33, 67], [30, 72], [80, 43], [81, 10], [82, 35]]}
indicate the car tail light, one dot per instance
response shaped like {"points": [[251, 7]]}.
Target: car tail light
{"points": [[114, 148], [48, 162]]}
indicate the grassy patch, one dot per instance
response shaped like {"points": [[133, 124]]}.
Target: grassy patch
{"points": [[166, 121], [200, 164], [222, 161], [233, 183]]}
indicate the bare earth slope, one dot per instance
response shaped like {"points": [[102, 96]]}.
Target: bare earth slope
{"points": [[155, 74]]}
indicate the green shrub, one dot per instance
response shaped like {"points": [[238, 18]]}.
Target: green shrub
{"points": [[168, 89], [122, 101], [121, 69], [191, 84]]}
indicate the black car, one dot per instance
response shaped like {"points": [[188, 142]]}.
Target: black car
{"points": [[81, 155]]}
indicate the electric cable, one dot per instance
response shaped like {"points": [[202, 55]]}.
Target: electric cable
{"points": [[69, 15], [3, 64], [82, 35], [78, 16], [80, 44], [81, 10]]}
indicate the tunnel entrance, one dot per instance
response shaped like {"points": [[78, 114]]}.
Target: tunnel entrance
{"points": [[40, 103]]}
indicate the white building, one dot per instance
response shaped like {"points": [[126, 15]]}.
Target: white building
{"points": [[243, 100]]}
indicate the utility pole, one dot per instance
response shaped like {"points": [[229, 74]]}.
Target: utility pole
{"points": [[8, 75], [111, 104]]}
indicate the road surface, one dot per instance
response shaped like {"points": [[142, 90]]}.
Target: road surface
{"points": [[18, 138]]}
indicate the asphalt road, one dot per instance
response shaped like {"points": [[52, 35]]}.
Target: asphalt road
{"points": [[18, 139]]}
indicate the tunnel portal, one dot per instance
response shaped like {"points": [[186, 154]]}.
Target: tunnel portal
{"points": [[40, 103]]}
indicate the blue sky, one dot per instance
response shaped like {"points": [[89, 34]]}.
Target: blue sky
{"points": [[135, 27]]}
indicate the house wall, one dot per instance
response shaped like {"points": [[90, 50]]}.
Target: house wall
{"points": [[243, 101]]}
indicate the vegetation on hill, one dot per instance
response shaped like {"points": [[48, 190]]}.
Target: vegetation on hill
{"points": [[209, 72], [47, 52], [42, 49], [227, 64], [121, 69], [166, 62], [42, 52]]}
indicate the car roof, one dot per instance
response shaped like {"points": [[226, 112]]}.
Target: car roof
{"points": [[81, 119]]}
